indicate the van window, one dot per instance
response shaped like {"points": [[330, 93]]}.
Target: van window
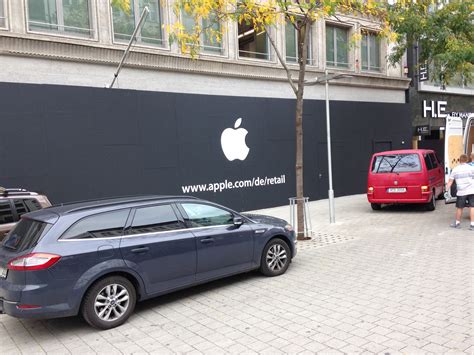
{"points": [[434, 161], [396, 163], [428, 163], [25, 235]]}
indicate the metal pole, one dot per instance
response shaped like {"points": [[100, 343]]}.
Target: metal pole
{"points": [[332, 217], [145, 12]]}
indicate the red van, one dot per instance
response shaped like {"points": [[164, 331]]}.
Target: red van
{"points": [[405, 176]]}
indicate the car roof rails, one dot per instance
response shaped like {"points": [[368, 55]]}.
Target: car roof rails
{"points": [[14, 191]]}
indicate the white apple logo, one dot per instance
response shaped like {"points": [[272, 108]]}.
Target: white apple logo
{"points": [[233, 142]]}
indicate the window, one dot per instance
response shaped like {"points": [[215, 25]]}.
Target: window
{"points": [[26, 234], [428, 163], [291, 40], [70, 17], [3, 18], [103, 225], [6, 214], [151, 32], [252, 44], [209, 27], [155, 219], [337, 45], [205, 215], [23, 206], [397, 163], [434, 160], [370, 52]]}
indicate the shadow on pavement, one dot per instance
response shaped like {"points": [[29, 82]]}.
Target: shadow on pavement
{"points": [[74, 324]]}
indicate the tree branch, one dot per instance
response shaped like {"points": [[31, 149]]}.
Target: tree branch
{"points": [[280, 58]]}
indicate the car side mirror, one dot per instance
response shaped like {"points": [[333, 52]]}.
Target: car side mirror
{"points": [[238, 221]]}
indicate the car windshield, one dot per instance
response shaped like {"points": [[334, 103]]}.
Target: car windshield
{"points": [[25, 235], [396, 163]]}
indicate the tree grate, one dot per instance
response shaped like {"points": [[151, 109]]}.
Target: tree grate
{"points": [[321, 240]]}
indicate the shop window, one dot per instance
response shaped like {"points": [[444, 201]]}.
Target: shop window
{"points": [[370, 48], [209, 28], [337, 46], [151, 32], [71, 17], [3, 12], [291, 40], [252, 43]]}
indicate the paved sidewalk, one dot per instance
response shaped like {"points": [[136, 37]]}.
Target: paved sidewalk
{"points": [[392, 281]]}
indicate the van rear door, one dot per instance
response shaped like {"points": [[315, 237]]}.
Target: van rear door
{"points": [[453, 148]]}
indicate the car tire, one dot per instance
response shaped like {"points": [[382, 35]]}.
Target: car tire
{"points": [[376, 206], [431, 206], [276, 258], [109, 302]]}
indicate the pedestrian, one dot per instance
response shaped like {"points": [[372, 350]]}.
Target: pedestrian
{"points": [[463, 174]]}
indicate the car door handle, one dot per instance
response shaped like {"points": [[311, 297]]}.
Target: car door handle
{"points": [[140, 250], [207, 240]]}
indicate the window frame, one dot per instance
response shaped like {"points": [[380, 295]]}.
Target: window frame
{"points": [[136, 11], [4, 7], [367, 33], [61, 33], [202, 48], [309, 60], [270, 58], [347, 29]]}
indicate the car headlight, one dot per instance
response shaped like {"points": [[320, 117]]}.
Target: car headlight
{"points": [[289, 228]]}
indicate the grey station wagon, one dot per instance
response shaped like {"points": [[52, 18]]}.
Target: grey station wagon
{"points": [[98, 258]]}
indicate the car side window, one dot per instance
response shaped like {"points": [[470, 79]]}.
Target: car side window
{"points": [[102, 225], [434, 161], [155, 219], [6, 214], [23, 206], [428, 163], [20, 207], [204, 215]]}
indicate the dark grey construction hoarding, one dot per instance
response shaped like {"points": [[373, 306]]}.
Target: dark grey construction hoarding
{"points": [[76, 143]]}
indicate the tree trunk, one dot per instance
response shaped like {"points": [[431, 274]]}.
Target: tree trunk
{"points": [[303, 32]]}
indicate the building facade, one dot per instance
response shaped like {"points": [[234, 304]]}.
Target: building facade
{"points": [[431, 102], [161, 129]]}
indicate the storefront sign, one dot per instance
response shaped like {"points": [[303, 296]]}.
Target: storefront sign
{"points": [[460, 114], [436, 109], [423, 72], [423, 130]]}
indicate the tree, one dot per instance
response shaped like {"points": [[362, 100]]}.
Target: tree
{"points": [[262, 15], [443, 31]]}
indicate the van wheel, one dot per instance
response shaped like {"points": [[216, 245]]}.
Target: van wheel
{"points": [[109, 302], [431, 206], [376, 206]]}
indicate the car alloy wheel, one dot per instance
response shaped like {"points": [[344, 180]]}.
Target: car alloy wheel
{"points": [[112, 302], [276, 257], [109, 302]]}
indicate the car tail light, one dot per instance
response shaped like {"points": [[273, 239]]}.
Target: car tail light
{"points": [[33, 261], [370, 190], [425, 188]]}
